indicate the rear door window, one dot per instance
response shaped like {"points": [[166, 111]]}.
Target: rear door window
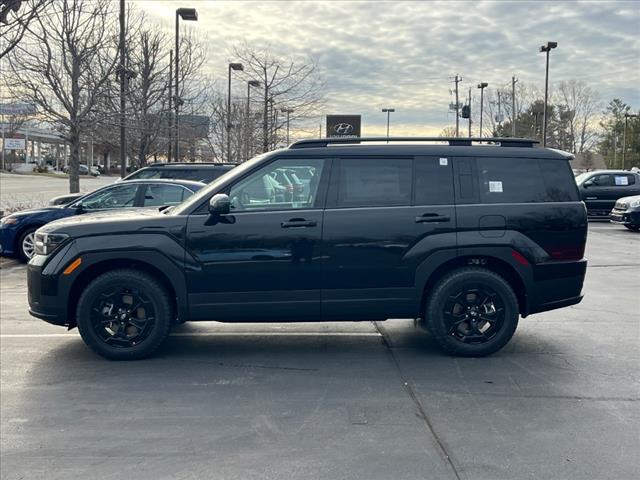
{"points": [[525, 180], [374, 182]]}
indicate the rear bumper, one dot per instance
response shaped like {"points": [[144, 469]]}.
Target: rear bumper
{"points": [[556, 285]]}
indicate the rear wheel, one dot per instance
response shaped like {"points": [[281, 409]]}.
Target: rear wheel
{"points": [[27, 244], [124, 315], [472, 312]]}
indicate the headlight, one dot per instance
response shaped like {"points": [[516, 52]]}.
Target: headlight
{"points": [[48, 242], [9, 220], [635, 203]]}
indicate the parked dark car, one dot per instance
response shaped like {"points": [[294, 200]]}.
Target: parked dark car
{"points": [[199, 172], [627, 212], [601, 189], [17, 230], [466, 238], [84, 170]]}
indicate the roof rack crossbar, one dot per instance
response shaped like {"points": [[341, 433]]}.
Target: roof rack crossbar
{"points": [[452, 141]]}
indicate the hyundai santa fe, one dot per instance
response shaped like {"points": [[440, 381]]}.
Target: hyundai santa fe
{"points": [[464, 235]]}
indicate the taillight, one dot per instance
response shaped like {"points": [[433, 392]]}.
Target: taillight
{"points": [[566, 252]]}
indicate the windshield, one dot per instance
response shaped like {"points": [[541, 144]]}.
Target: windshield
{"points": [[582, 177], [195, 199]]}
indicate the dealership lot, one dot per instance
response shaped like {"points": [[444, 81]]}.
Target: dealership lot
{"points": [[331, 400]]}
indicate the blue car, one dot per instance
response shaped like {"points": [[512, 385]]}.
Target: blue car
{"points": [[17, 229]]}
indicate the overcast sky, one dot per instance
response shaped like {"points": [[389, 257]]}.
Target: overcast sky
{"points": [[405, 54]]}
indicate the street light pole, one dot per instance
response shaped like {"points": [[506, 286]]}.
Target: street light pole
{"points": [[232, 66], [546, 49], [188, 14], [287, 111], [388, 111], [170, 119], [482, 86], [123, 92], [624, 138]]}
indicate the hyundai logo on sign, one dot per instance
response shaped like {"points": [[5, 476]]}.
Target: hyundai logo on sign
{"points": [[343, 128], [343, 125]]}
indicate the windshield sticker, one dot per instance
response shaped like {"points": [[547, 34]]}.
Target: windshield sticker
{"points": [[623, 180], [495, 187]]}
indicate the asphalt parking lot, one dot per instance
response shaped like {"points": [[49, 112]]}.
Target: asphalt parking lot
{"points": [[334, 401]]}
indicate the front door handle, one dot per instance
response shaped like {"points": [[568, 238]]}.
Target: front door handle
{"points": [[298, 222], [433, 218]]}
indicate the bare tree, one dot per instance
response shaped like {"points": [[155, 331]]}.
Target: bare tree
{"points": [[286, 82], [579, 106], [63, 68], [15, 17]]}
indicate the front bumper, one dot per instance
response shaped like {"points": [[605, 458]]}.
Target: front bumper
{"points": [[49, 290], [7, 240], [625, 217]]}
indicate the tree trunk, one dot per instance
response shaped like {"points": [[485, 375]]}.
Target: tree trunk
{"points": [[74, 161], [265, 135]]}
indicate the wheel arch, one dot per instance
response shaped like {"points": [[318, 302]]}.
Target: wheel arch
{"points": [[23, 228], [106, 265], [487, 261]]}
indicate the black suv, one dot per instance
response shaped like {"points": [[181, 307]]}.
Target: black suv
{"points": [[464, 237], [199, 172]]}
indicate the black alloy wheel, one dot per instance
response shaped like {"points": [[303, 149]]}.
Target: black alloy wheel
{"points": [[124, 315], [472, 312]]}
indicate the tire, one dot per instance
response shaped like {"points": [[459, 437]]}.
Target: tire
{"points": [[456, 318], [633, 228], [130, 337], [25, 238]]}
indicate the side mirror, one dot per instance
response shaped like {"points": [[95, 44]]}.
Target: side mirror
{"points": [[79, 207], [587, 184], [220, 204]]}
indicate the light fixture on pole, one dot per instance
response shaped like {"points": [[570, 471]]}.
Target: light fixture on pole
{"points": [[482, 86], [546, 49], [190, 15], [287, 111], [388, 111], [236, 67], [627, 116]]}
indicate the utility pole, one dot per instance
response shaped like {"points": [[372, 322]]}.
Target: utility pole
{"points": [[624, 138], [482, 86], [469, 112], [457, 80], [499, 121], [514, 80], [170, 119], [123, 93]]}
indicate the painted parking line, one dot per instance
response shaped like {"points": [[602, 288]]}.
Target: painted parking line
{"points": [[211, 334]]}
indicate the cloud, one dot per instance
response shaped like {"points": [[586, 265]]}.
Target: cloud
{"points": [[404, 54]]}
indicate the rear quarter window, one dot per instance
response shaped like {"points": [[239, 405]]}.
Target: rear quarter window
{"points": [[525, 180]]}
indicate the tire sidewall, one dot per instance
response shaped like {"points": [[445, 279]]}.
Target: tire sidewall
{"points": [[456, 282], [151, 289], [21, 254]]}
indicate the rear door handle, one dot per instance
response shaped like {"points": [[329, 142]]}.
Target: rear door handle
{"points": [[433, 218], [298, 222]]}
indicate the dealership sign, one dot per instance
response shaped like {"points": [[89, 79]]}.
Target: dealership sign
{"points": [[14, 144], [17, 109], [343, 126]]}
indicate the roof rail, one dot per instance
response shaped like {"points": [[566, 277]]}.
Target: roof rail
{"points": [[164, 164], [453, 141]]}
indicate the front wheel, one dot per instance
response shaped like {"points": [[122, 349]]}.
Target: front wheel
{"points": [[124, 315], [472, 312], [27, 244]]}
